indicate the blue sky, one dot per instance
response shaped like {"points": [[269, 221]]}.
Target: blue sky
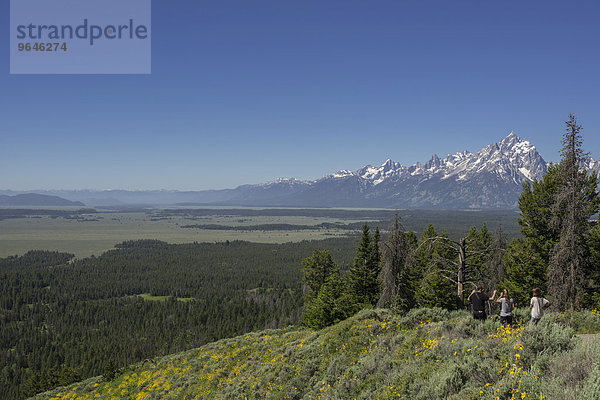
{"points": [[248, 91]]}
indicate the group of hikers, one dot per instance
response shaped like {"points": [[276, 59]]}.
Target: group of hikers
{"points": [[479, 300]]}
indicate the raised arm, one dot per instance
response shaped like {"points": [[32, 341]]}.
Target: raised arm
{"points": [[493, 296], [469, 298], [547, 303]]}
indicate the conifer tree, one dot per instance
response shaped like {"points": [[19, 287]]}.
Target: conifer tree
{"points": [[593, 276], [525, 269], [364, 252], [397, 282], [535, 204], [315, 271], [363, 283], [575, 200], [554, 252], [434, 289], [375, 248], [329, 306], [526, 260]]}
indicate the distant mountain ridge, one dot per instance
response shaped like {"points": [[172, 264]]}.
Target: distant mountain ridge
{"points": [[488, 179], [35, 199]]}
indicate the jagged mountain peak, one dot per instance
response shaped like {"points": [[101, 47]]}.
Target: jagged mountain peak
{"points": [[511, 145], [512, 160], [454, 159], [512, 135], [376, 175], [284, 181], [434, 162], [342, 173], [389, 164]]}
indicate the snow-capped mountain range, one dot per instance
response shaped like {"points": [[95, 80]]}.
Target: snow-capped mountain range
{"points": [[513, 159], [489, 179]]}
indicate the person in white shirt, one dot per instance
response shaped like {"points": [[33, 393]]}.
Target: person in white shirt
{"points": [[537, 305]]}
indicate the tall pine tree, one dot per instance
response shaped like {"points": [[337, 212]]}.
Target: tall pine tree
{"points": [[329, 306], [525, 270], [526, 259], [315, 271], [397, 280], [575, 201], [434, 289], [363, 283], [555, 250]]}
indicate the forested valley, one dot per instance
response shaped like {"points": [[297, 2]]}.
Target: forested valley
{"points": [[64, 319]]}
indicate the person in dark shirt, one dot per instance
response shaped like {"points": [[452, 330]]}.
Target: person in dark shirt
{"points": [[478, 299]]}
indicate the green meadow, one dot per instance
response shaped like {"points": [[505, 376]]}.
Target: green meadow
{"points": [[92, 237], [86, 233]]}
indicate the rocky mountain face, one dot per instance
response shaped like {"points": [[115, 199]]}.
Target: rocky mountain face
{"points": [[592, 165], [489, 179]]}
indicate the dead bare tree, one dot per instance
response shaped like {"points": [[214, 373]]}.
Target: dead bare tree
{"points": [[461, 271], [396, 285], [494, 264]]}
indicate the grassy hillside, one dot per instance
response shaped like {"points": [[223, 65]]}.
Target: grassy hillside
{"points": [[428, 354]]}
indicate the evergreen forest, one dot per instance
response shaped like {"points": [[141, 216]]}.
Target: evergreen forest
{"points": [[63, 319]]}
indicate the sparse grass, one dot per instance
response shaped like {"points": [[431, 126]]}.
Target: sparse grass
{"points": [[86, 238], [149, 297], [373, 355], [580, 321]]}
